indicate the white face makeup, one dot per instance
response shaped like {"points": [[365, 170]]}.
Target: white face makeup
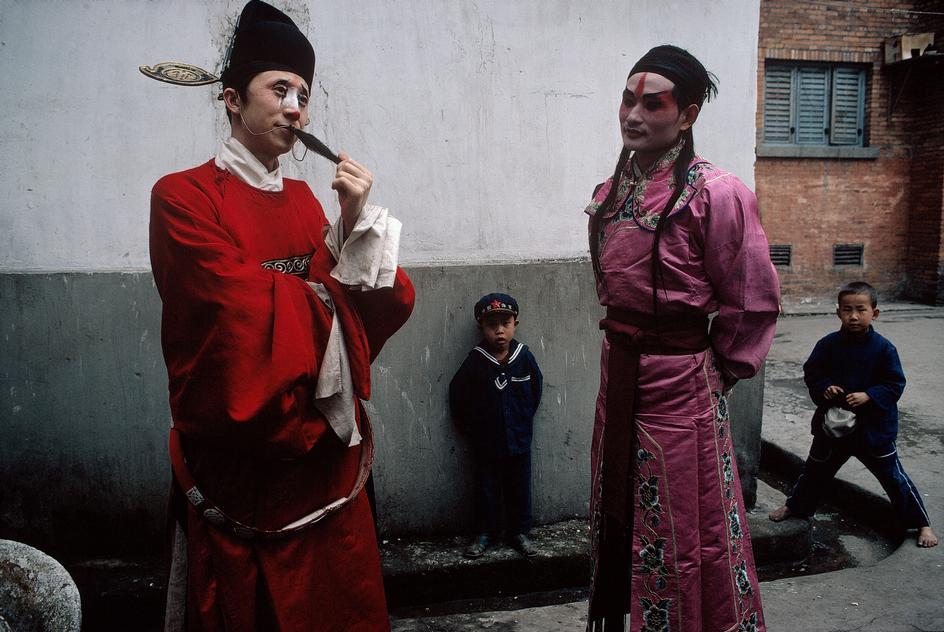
{"points": [[290, 100], [275, 100]]}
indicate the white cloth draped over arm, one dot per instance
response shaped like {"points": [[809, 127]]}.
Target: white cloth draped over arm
{"points": [[334, 392], [368, 257]]}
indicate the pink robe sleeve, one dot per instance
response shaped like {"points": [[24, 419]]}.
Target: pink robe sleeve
{"points": [[737, 261], [242, 344]]}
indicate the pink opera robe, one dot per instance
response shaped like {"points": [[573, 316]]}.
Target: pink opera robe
{"points": [[693, 568]]}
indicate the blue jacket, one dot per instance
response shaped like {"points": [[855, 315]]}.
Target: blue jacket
{"points": [[495, 401], [867, 364]]}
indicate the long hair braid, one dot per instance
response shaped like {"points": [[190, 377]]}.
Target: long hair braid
{"points": [[680, 179], [604, 209]]}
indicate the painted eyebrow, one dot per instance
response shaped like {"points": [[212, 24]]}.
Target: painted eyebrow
{"points": [[627, 92], [287, 84]]}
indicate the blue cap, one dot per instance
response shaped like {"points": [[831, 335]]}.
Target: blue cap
{"points": [[495, 302]]}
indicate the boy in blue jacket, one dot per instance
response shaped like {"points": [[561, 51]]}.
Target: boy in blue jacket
{"points": [[494, 396], [855, 379]]}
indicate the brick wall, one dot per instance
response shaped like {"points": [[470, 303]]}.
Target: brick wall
{"points": [[891, 204], [926, 238]]}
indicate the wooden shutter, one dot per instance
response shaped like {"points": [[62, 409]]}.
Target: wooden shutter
{"points": [[848, 105], [778, 104], [812, 93]]}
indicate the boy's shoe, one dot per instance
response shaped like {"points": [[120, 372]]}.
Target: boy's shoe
{"points": [[523, 545], [477, 548]]}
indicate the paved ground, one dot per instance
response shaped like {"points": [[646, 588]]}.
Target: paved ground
{"points": [[899, 593]]}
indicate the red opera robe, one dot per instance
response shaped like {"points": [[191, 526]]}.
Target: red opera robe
{"points": [[243, 336]]}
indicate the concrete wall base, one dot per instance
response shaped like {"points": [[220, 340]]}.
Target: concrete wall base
{"points": [[85, 417]]}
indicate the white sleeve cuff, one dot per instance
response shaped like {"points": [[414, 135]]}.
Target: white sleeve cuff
{"points": [[368, 257]]}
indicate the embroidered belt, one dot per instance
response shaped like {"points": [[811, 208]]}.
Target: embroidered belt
{"points": [[213, 514], [630, 335]]}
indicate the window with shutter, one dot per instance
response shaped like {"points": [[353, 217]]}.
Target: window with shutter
{"points": [[814, 104]]}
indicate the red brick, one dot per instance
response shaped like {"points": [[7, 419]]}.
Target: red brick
{"points": [[894, 205]]}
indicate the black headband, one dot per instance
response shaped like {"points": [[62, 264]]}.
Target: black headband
{"points": [[693, 83]]}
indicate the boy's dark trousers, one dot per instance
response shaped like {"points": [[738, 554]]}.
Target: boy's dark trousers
{"points": [[509, 476], [828, 455]]}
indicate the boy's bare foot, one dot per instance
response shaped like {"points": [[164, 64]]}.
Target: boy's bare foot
{"points": [[780, 514], [927, 538]]}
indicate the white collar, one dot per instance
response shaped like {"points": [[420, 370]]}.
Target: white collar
{"points": [[512, 355], [239, 161]]}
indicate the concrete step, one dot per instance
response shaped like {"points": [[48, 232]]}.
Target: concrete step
{"points": [[776, 542], [429, 570]]}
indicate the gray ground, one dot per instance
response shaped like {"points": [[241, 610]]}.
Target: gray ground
{"points": [[898, 593]]}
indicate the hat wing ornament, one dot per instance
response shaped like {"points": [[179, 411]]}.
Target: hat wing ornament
{"points": [[179, 74]]}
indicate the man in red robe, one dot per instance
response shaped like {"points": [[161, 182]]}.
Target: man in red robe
{"points": [[271, 318]]}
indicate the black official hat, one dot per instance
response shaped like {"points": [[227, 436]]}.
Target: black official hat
{"points": [[266, 39], [495, 303]]}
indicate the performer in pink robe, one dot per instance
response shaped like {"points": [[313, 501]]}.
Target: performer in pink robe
{"points": [[673, 240]]}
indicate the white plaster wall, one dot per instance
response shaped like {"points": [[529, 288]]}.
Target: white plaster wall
{"points": [[486, 123]]}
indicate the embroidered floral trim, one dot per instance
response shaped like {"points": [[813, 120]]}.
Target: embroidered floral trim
{"points": [[596, 526], [749, 625], [297, 265], [742, 580], [631, 195], [633, 208], [652, 555], [746, 607], [722, 407], [628, 178], [726, 468], [655, 615], [734, 523], [652, 550], [649, 495]]}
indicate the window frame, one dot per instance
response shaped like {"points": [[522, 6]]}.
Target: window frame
{"points": [[804, 103]]}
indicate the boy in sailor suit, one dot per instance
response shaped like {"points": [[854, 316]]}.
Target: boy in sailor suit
{"points": [[494, 396]]}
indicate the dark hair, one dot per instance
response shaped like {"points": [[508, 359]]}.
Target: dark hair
{"points": [[859, 287], [693, 85]]}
